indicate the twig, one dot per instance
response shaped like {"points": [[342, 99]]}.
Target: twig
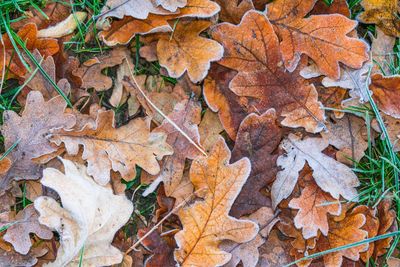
{"points": [[136, 85]]}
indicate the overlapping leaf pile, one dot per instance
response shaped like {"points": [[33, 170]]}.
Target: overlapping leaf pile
{"points": [[249, 165]]}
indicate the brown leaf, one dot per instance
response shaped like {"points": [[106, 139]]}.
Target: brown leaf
{"points": [[386, 93], [336, 7], [393, 128], [28, 35], [258, 137], [26, 222], [206, 223], [185, 50], [91, 70], [387, 217], [314, 206], [252, 48], [314, 34], [31, 131], [163, 253], [108, 148], [233, 10], [14, 259], [275, 251], [209, 129], [383, 13], [332, 97], [381, 52]]}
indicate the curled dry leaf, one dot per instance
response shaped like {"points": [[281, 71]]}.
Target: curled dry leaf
{"points": [[186, 116], [206, 223], [331, 176], [64, 27], [171, 5], [108, 148], [27, 222], [314, 206], [386, 93], [120, 92], [258, 138], [311, 35], [383, 13], [90, 216], [209, 129], [34, 125], [252, 48], [185, 50], [28, 34]]}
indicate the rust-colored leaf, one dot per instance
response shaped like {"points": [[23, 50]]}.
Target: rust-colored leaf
{"points": [[323, 38], [258, 138], [206, 223], [233, 10], [336, 7], [386, 93], [209, 129], [387, 217], [252, 48]]}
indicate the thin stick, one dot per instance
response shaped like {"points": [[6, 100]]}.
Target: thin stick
{"points": [[4, 63], [161, 113]]}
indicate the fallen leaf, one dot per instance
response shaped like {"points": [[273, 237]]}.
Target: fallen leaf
{"points": [[185, 50], [258, 138], [336, 7], [33, 190], [34, 125], [393, 129], [331, 176], [314, 34], [252, 48], [108, 148], [386, 93], [387, 217], [28, 34], [383, 13], [206, 223], [26, 222], [64, 27], [233, 10], [275, 251], [314, 206], [349, 136], [88, 220], [120, 92], [91, 70], [209, 129], [163, 253], [14, 259], [381, 52], [171, 5]]}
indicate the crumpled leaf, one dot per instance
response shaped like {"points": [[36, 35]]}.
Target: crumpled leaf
{"points": [[64, 27], [28, 34], [233, 10], [383, 13], [331, 176], [252, 48], [349, 136], [26, 223], [248, 253], [122, 31], [90, 216], [187, 51], [171, 5], [314, 206], [120, 92], [108, 148], [91, 70], [206, 223], [258, 137], [315, 34], [386, 93], [34, 125]]}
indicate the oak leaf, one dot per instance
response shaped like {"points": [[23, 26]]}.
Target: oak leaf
{"points": [[14, 259], [332, 97], [386, 93], [233, 10], [274, 252], [252, 48], [26, 222], [381, 49], [331, 176], [89, 217], [387, 217], [258, 137], [336, 7], [171, 5], [122, 31], [315, 34], [28, 34], [314, 206], [383, 13], [206, 223], [187, 51], [108, 148], [34, 125], [209, 129]]}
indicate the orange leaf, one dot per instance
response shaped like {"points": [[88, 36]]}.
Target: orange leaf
{"points": [[233, 10], [386, 92], [322, 38], [206, 223]]}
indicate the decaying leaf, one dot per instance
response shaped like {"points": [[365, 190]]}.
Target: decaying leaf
{"points": [[28, 35], [386, 93], [252, 48], [26, 223], [64, 27], [120, 92], [187, 51], [323, 38], [34, 125], [314, 206], [88, 219], [108, 148], [383, 13], [206, 223], [258, 137], [331, 176]]}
